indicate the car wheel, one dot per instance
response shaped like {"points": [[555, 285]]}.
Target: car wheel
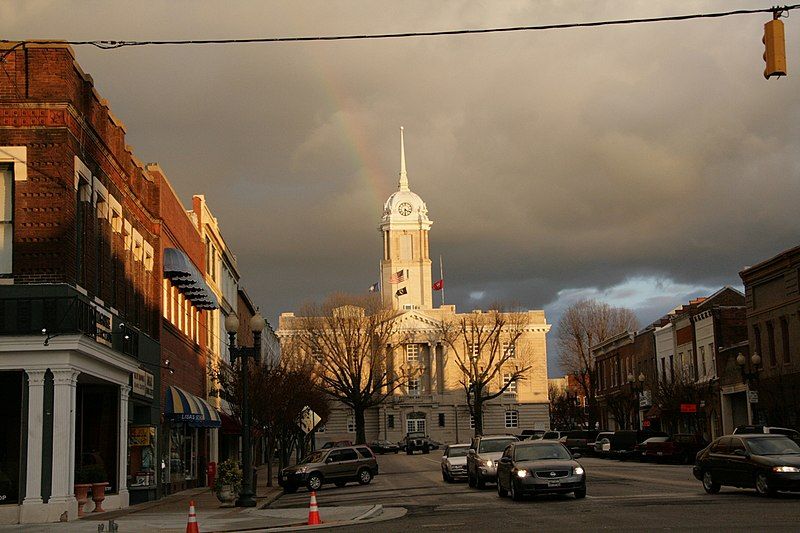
{"points": [[289, 489], [515, 494], [763, 487], [500, 490], [580, 493], [480, 482], [314, 481], [708, 483], [364, 476]]}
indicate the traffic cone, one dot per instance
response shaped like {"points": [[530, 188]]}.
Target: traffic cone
{"points": [[313, 511], [191, 525]]}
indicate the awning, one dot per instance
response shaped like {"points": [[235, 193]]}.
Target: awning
{"points": [[653, 412], [181, 406], [230, 424], [184, 275]]}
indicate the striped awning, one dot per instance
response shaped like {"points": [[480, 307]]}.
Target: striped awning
{"points": [[184, 275], [181, 406]]}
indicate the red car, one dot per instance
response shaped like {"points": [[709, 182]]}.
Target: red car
{"points": [[679, 448]]}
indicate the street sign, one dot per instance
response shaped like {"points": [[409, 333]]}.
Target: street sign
{"points": [[308, 420], [688, 408], [752, 396], [645, 399]]}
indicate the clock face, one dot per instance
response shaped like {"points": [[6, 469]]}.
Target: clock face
{"points": [[404, 209]]}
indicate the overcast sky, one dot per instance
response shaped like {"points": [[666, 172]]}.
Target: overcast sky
{"points": [[641, 165]]}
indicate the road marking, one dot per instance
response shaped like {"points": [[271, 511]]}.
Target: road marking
{"points": [[432, 460]]}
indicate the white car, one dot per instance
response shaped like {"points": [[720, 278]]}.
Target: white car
{"points": [[454, 462]]}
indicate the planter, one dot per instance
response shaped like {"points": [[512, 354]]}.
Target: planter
{"points": [[98, 495], [82, 495], [227, 495]]}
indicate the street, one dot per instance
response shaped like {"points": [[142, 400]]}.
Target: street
{"points": [[621, 495]]}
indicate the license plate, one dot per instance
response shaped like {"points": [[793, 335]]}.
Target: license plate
{"points": [[553, 483]]}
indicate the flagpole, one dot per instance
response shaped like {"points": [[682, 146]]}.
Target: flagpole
{"points": [[380, 281], [441, 276]]}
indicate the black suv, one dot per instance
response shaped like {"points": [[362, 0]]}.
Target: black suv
{"points": [[416, 440]]}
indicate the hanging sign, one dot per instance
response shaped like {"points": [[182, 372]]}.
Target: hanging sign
{"points": [[143, 383], [688, 408]]}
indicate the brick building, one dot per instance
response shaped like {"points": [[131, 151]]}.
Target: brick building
{"points": [[772, 290], [79, 299]]}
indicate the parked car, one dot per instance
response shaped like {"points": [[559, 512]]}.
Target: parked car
{"points": [[554, 435], [680, 447], [766, 462], [602, 444], [539, 467], [333, 465], [581, 441], [747, 430], [454, 462], [531, 434], [484, 451], [416, 440], [336, 444], [639, 449], [384, 446], [434, 444], [624, 441]]}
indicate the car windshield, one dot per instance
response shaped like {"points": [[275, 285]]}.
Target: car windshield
{"points": [[773, 446], [541, 452], [495, 445], [459, 451], [656, 439], [315, 457]]}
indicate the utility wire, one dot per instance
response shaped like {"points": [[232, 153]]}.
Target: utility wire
{"points": [[111, 44]]}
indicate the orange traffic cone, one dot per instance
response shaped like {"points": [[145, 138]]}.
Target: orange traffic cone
{"points": [[191, 525], [313, 511]]}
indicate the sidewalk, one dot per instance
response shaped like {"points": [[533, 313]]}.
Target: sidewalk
{"points": [[169, 515]]}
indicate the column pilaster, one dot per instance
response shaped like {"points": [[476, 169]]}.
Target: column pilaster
{"points": [[33, 478], [64, 384], [122, 482]]}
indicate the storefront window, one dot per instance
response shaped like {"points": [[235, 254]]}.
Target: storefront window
{"points": [[182, 465], [141, 456], [10, 434], [97, 424]]}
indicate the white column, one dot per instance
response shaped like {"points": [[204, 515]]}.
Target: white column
{"points": [[122, 482], [33, 479], [64, 382], [213, 445], [431, 369]]}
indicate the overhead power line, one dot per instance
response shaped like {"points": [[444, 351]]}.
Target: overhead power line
{"points": [[113, 44]]}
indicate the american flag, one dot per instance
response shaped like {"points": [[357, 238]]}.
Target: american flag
{"points": [[398, 277]]}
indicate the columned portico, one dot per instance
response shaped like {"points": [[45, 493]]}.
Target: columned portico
{"points": [[33, 479], [62, 492]]}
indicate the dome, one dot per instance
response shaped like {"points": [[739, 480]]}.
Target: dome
{"points": [[404, 207]]}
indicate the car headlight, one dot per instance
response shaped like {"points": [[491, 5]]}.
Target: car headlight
{"points": [[785, 469], [578, 471], [522, 472], [302, 470], [488, 463]]}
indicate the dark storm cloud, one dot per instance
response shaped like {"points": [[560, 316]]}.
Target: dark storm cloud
{"points": [[553, 163]]}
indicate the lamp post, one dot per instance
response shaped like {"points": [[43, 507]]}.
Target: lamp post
{"points": [[257, 325], [636, 389], [755, 362]]}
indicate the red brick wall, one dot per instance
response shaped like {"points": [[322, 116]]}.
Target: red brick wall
{"points": [[50, 106]]}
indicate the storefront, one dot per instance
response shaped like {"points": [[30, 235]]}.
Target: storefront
{"points": [[143, 437], [11, 437], [189, 421]]}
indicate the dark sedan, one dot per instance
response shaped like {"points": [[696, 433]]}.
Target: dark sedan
{"points": [[768, 463], [539, 467], [384, 446]]}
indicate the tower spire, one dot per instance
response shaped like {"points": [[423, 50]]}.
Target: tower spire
{"points": [[403, 183]]}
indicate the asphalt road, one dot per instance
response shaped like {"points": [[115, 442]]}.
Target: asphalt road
{"points": [[620, 495]]}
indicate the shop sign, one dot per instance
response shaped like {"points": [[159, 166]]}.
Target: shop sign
{"points": [[102, 325], [646, 424], [688, 408], [140, 435], [645, 399], [752, 396], [143, 383]]}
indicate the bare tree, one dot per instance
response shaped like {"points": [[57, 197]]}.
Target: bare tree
{"points": [[349, 337], [565, 411], [583, 325], [487, 355]]}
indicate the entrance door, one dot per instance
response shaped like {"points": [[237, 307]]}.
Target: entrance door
{"points": [[415, 425]]}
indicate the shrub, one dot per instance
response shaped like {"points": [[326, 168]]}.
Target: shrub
{"points": [[228, 473], [91, 474]]}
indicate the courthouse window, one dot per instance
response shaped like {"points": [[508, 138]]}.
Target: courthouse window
{"points": [[512, 419], [412, 353]]}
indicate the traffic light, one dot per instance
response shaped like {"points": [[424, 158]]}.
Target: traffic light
{"points": [[774, 49]]}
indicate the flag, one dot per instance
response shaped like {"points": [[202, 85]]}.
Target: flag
{"points": [[398, 277], [438, 285], [401, 292], [373, 287]]}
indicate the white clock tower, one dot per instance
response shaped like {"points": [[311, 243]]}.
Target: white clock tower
{"points": [[406, 263]]}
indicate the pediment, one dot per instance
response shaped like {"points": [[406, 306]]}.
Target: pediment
{"points": [[415, 320]]}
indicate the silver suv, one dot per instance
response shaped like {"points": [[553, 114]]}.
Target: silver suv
{"points": [[335, 465], [482, 457]]}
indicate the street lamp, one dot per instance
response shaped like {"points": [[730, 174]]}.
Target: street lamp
{"points": [[755, 363], [257, 325], [636, 389]]}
